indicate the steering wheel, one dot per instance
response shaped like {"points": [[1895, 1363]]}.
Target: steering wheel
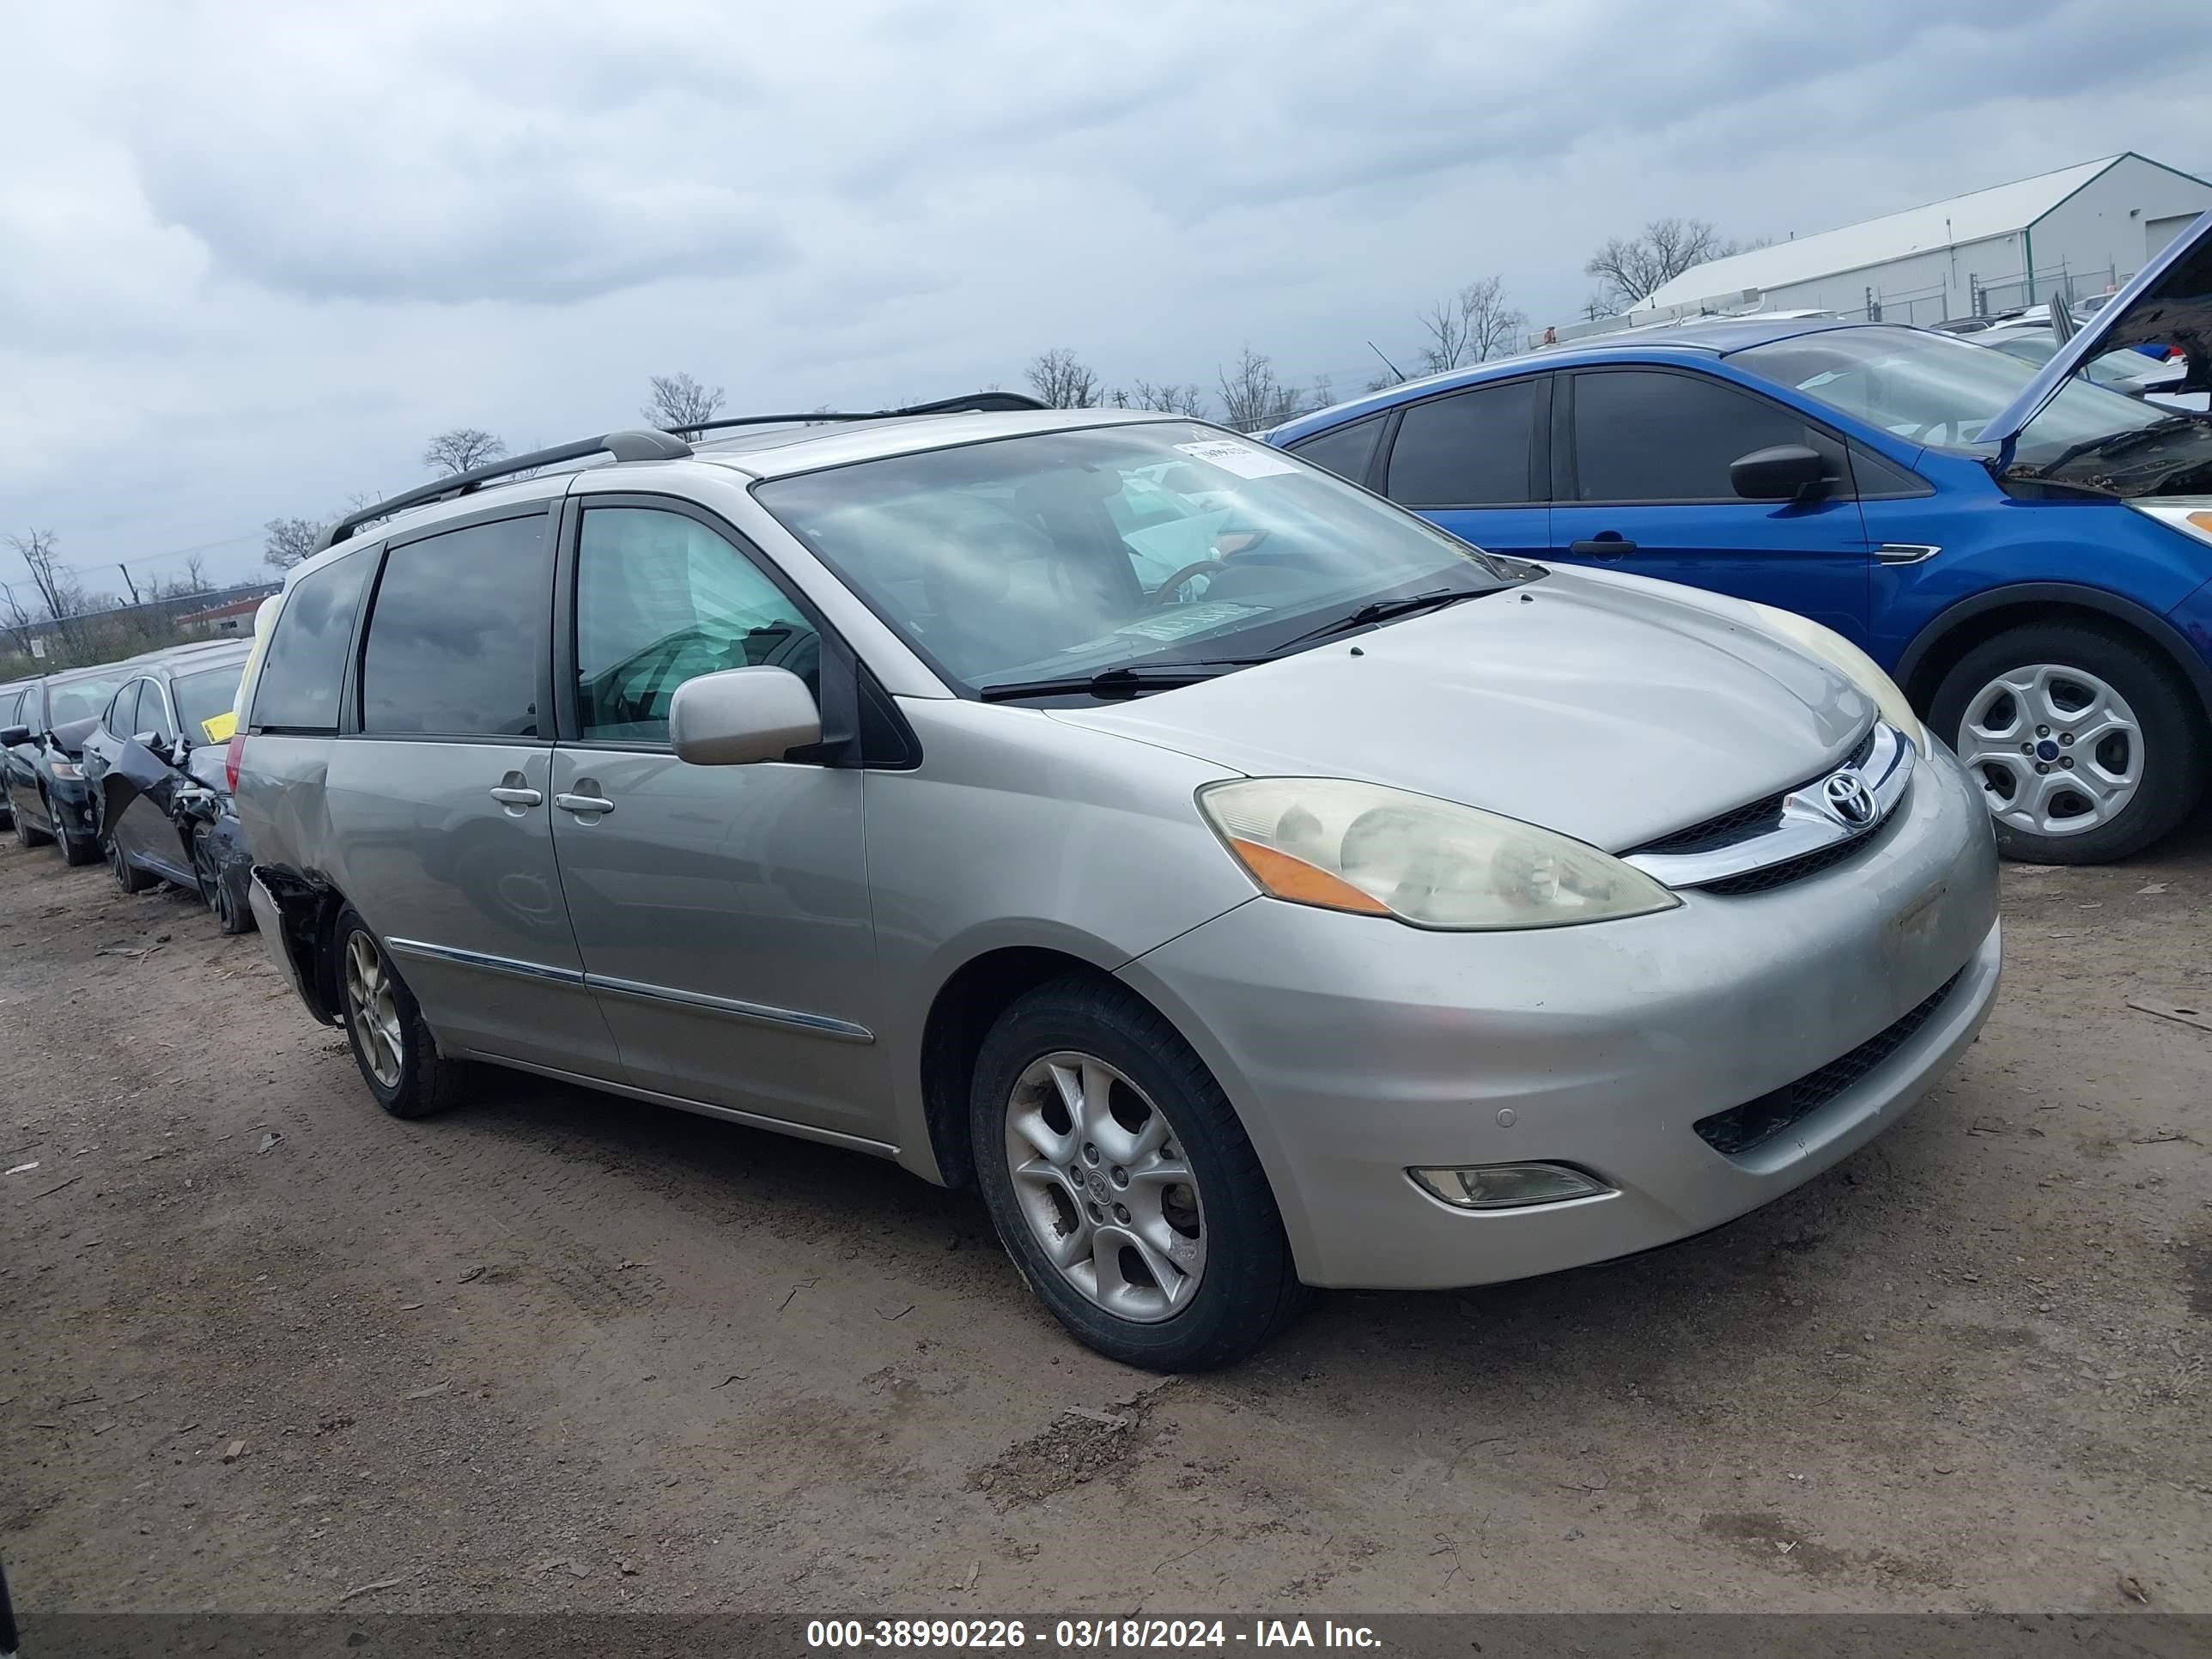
{"points": [[1159, 595]]}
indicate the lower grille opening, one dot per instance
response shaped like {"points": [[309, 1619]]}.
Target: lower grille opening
{"points": [[1752, 1125]]}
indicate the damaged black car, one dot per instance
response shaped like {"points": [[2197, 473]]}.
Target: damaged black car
{"points": [[42, 754], [155, 767]]}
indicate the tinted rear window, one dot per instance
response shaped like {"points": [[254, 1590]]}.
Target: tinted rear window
{"points": [[1470, 449], [298, 691], [454, 636], [1346, 452]]}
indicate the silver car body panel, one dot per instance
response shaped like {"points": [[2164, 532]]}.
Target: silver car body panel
{"points": [[1354, 1048], [766, 944]]}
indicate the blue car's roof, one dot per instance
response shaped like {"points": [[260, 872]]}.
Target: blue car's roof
{"points": [[1690, 342]]}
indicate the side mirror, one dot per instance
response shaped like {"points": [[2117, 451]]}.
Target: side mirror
{"points": [[741, 716], [1787, 472], [12, 735]]}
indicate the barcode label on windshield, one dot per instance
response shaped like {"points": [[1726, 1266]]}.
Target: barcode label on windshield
{"points": [[1245, 460]]}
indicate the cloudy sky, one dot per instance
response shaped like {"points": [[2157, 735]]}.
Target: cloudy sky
{"points": [[250, 256]]}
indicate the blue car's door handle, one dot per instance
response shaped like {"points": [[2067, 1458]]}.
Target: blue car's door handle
{"points": [[1607, 547]]}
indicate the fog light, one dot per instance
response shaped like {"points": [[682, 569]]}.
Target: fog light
{"points": [[1507, 1186]]}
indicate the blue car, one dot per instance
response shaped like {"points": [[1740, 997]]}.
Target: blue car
{"points": [[2029, 554]]}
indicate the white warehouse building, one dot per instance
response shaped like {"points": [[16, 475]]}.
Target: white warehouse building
{"points": [[2080, 231]]}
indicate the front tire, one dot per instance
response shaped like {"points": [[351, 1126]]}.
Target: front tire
{"points": [[26, 834], [2085, 745], [398, 1056], [232, 914], [1122, 1185]]}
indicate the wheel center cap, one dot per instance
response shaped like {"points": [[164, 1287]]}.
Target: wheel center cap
{"points": [[2047, 750], [1095, 1180]]}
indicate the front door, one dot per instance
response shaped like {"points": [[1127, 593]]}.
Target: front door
{"points": [[722, 911], [441, 803], [1641, 459]]}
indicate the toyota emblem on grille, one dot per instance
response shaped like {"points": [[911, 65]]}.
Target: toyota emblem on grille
{"points": [[1847, 798]]}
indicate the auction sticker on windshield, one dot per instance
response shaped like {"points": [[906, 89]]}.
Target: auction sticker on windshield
{"points": [[1245, 460], [1176, 621]]}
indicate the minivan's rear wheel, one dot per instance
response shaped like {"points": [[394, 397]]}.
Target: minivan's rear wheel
{"points": [[1122, 1183], [398, 1056], [2085, 744]]}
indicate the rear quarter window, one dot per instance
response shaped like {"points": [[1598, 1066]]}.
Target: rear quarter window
{"points": [[305, 667]]}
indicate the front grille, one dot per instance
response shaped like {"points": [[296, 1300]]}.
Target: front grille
{"points": [[1781, 875], [1742, 1128], [1742, 822]]}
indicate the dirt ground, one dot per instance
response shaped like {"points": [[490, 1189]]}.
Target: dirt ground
{"points": [[559, 1350]]}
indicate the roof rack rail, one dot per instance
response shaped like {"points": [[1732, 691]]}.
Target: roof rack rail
{"points": [[627, 446], [975, 402]]}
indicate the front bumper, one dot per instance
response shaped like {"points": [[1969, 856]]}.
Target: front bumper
{"points": [[1354, 1048], [68, 801]]}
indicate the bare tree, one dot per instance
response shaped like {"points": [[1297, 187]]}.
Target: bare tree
{"points": [[1062, 382], [1169, 399], [58, 588], [681, 405], [195, 579], [1252, 397], [290, 540], [464, 446], [1472, 326], [1633, 269]]}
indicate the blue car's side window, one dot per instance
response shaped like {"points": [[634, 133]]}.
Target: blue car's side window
{"points": [[1649, 435]]}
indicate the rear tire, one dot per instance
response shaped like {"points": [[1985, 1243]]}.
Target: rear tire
{"points": [[398, 1056], [2119, 739], [128, 876], [1168, 1274]]}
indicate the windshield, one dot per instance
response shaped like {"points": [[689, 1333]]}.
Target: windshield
{"points": [[205, 698], [2123, 371], [1069, 554], [1928, 388], [79, 700]]}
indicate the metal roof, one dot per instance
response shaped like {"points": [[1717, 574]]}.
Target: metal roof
{"points": [[1996, 211]]}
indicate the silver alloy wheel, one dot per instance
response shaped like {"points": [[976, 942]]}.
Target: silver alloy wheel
{"points": [[375, 1013], [1100, 1175], [2057, 751]]}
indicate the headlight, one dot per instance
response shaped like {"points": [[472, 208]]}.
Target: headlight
{"points": [[1855, 666], [1359, 847], [69, 770], [2191, 517]]}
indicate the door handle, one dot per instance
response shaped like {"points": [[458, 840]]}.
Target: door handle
{"points": [[568, 803], [1606, 547], [507, 795]]}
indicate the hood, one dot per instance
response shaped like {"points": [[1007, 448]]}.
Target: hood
{"points": [[1605, 707], [2169, 302], [72, 735]]}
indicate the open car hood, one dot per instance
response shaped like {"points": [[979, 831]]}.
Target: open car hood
{"points": [[2168, 302]]}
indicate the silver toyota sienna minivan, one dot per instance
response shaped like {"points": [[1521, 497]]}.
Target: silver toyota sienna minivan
{"points": [[1243, 884]]}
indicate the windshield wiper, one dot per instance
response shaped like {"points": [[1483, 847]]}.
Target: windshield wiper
{"points": [[2108, 444], [1130, 680], [1382, 611]]}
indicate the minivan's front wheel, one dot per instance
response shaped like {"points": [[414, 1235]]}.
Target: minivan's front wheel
{"points": [[1122, 1183], [398, 1056], [2085, 744]]}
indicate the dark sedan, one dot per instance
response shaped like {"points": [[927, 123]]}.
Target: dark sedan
{"points": [[42, 740], [155, 765]]}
